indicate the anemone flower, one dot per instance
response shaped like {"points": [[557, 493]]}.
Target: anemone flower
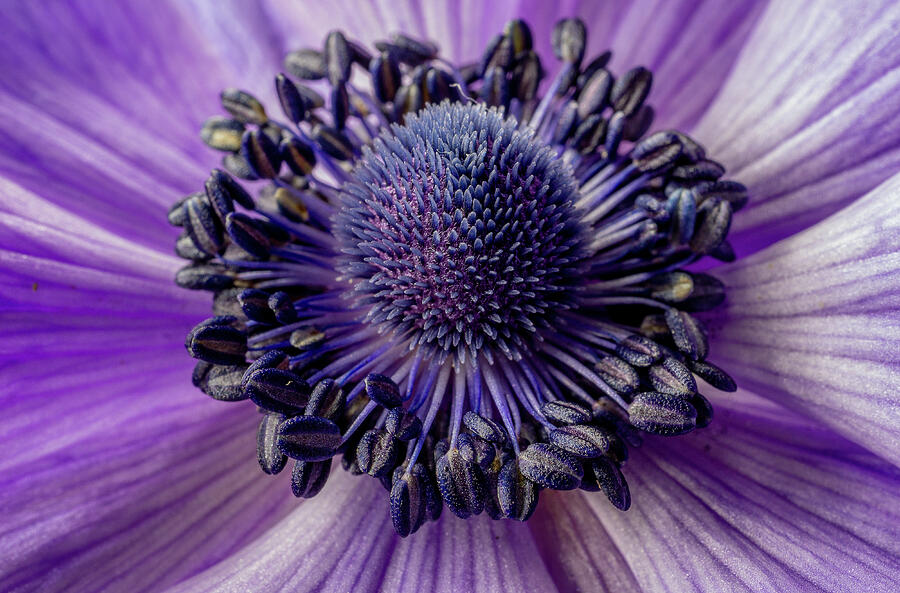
{"points": [[465, 387]]}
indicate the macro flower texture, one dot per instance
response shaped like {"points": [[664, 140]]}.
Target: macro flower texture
{"points": [[450, 296]]}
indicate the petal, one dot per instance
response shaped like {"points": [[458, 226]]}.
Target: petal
{"points": [[74, 59], [814, 321], [460, 29], [242, 39], [116, 474], [34, 226], [59, 269], [690, 45], [579, 552], [807, 119], [101, 494], [84, 175], [762, 500], [342, 540], [107, 127]]}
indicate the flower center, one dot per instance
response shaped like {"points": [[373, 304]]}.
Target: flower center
{"points": [[466, 289], [460, 231]]}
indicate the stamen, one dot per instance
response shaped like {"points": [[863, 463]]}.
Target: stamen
{"points": [[466, 289]]}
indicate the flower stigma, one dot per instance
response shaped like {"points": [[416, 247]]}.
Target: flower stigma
{"points": [[469, 282]]}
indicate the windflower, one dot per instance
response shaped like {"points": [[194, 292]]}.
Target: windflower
{"points": [[466, 252]]}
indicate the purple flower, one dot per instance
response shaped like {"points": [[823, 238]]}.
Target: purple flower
{"points": [[118, 476]]}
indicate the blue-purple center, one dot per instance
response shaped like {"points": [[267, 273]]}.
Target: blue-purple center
{"points": [[459, 230], [460, 281]]}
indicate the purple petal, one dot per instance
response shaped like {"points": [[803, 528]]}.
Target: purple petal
{"points": [[813, 321], [580, 554], [762, 500], [34, 226], [100, 108], [60, 270], [116, 474], [460, 31], [807, 119], [690, 45], [342, 540], [100, 494]]}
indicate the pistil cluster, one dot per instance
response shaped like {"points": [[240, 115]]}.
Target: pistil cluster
{"points": [[460, 285]]}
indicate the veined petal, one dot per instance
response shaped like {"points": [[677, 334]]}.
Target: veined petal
{"points": [[468, 555], [762, 500], [813, 322], [61, 270], [308, 551], [77, 60], [579, 552], [35, 226], [240, 37], [101, 493], [116, 476], [460, 29], [123, 187], [100, 109], [691, 45], [807, 119]]}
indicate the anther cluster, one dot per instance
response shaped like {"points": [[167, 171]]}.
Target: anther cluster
{"points": [[452, 282]]}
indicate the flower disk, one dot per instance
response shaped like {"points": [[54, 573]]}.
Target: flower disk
{"points": [[460, 286], [460, 230]]}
